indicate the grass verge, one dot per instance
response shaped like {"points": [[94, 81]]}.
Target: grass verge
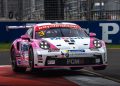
{"points": [[4, 46], [113, 46]]}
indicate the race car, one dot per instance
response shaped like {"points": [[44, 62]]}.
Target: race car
{"points": [[57, 45]]}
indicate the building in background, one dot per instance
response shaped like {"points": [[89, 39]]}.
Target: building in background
{"points": [[54, 9], [22, 9], [92, 10], [59, 10], [7, 6], [32, 9], [1, 8]]}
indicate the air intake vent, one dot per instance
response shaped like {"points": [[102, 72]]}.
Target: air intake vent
{"points": [[85, 44], [71, 43]]}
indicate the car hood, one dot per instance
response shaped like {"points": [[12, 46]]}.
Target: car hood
{"points": [[69, 42]]}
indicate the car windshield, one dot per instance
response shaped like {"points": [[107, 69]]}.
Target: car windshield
{"points": [[60, 32]]}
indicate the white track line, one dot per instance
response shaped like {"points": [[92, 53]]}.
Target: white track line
{"points": [[103, 76], [5, 65]]}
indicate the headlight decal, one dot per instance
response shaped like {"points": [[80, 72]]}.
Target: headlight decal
{"points": [[97, 43], [44, 45], [48, 46]]}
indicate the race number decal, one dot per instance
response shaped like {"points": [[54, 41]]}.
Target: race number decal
{"points": [[41, 33]]}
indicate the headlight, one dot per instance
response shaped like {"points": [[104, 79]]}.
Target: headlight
{"points": [[97, 43], [44, 45]]}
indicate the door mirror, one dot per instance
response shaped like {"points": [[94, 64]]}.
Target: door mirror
{"points": [[25, 37], [92, 34]]}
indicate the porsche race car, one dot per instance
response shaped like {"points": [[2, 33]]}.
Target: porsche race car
{"points": [[57, 45]]}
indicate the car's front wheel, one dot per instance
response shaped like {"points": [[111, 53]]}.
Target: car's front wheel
{"points": [[99, 67], [15, 68], [31, 61]]}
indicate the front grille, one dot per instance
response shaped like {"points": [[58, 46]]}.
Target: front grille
{"points": [[73, 61]]}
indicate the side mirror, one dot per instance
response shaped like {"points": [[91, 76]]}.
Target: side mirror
{"points": [[25, 37], [92, 34]]}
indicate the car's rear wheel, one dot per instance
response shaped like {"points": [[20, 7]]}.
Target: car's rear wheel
{"points": [[31, 61], [99, 67], [15, 68], [76, 68]]}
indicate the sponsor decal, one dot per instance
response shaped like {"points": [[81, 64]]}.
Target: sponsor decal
{"points": [[75, 61], [65, 53], [97, 60], [66, 40], [22, 60], [24, 47], [74, 53], [71, 39], [55, 38], [38, 28], [78, 53], [62, 54], [18, 62], [51, 61]]}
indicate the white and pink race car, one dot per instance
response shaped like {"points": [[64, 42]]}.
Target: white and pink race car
{"points": [[57, 45]]}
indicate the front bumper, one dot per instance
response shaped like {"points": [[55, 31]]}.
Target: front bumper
{"points": [[96, 60], [89, 57], [64, 53]]}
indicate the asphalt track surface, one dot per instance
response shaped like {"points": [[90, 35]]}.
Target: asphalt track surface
{"points": [[65, 77], [113, 69]]}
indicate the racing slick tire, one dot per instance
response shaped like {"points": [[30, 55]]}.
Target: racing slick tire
{"points": [[76, 68], [15, 68], [99, 67], [31, 61]]}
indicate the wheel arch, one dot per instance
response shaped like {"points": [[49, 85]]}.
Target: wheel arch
{"points": [[12, 46]]}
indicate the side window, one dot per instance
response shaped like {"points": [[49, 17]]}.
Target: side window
{"points": [[30, 32]]}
